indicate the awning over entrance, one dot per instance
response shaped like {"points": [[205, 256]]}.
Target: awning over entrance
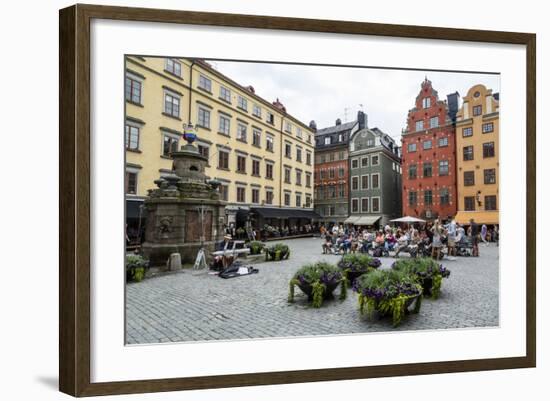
{"points": [[351, 220], [281, 213], [483, 217], [367, 220]]}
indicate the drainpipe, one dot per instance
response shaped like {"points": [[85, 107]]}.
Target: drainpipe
{"points": [[281, 174], [190, 90]]}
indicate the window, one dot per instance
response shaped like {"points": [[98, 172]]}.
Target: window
{"points": [[224, 125], [469, 203], [268, 197], [257, 111], [298, 177], [444, 197], [489, 149], [477, 110], [298, 154], [255, 167], [203, 119], [327, 140], [256, 137], [331, 172], [370, 143], [412, 171], [489, 176], [419, 125], [487, 127], [287, 198], [364, 162], [133, 90], [428, 200], [434, 122], [241, 194], [225, 94], [411, 147], [288, 150], [270, 118], [332, 156], [308, 158], [241, 132], [308, 201], [205, 83], [308, 180], [427, 170], [341, 190], [355, 205], [269, 171], [173, 67], [364, 182], [255, 195], [171, 104], [490, 202], [374, 161], [375, 181], [467, 132], [131, 137], [468, 152], [269, 143], [204, 150], [469, 178], [169, 144], [224, 192], [355, 163], [241, 164], [364, 205], [288, 127], [375, 205], [223, 160], [355, 183], [287, 175], [299, 132], [298, 200], [131, 182], [340, 137], [443, 167], [427, 145], [242, 103], [412, 198], [426, 102], [341, 155], [442, 142], [341, 172]]}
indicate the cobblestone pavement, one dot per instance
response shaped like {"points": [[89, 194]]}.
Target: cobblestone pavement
{"points": [[184, 306]]}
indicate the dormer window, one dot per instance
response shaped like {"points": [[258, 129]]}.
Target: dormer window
{"points": [[426, 102], [327, 140]]}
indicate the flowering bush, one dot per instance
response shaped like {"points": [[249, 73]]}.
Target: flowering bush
{"points": [[354, 265], [256, 247], [318, 281], [426, 271], [388, 292]]}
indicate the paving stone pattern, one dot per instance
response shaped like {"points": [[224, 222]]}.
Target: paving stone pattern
{"points": [[185, 306]]}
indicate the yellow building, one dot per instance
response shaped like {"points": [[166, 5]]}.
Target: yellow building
{"points": [[477, 143], [262, 155]]}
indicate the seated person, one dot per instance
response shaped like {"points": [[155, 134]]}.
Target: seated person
{"points": [[220, 262]]}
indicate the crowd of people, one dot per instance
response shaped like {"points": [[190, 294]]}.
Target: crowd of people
{"points": [[434, 239]]}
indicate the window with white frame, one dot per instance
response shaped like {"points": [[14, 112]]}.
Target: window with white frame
{"points": [[255, 195], [355, 205], [131, 136], [288, 127], [241, 132], [355, 183], [132, 88], [375, 181], [364, 205], [287, 198], [419, 125], [434, 122], [375, 204], [327, 140], [270, 117], [257, 111], [173, 67], [299, 132], [242, 103], [426, 102], [225, 94], [365, 181], [269, 143], [256, 137], [205, 83], [131, 181], [444, 141], [171, 104], [203, 117], [224, 124], [169, 143], [298, 200], [374, 160]]}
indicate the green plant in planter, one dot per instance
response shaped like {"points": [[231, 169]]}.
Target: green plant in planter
{"points": [[426, 271], [277, 252], [355, 265], [389, 292], [256, 247], [136, 267], [318, 281], [240, 232]]}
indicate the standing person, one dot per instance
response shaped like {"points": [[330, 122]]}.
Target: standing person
{"points": [[437, 231], [496, 234], [474, 233], [451, 238], [484, 234]]}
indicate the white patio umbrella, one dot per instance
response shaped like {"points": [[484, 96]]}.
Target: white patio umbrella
{"points": [[408, 219]]}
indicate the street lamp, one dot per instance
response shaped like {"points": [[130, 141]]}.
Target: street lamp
{"points": [[478, 198]]}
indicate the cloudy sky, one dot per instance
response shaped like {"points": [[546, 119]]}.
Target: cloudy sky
{"points": [[323, 93]]}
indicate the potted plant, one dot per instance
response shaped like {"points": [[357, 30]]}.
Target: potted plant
{"points": [[136, 267], [318, 281], [277, 252], [354, 265], [426, 271], [388, 292], [256, 247]]}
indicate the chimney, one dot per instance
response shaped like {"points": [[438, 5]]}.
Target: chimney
{"points": [[338, 121], [452, 102], [362, 119], [279, 105], [313, 125]]}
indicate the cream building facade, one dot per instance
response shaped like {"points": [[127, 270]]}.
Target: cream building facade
{"points": [[477, 147], [261, 154]]}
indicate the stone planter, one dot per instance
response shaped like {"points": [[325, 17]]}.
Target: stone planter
{"points": [[327, 293]]}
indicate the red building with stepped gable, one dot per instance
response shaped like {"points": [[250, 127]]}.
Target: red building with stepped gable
{"points": [[429, 156]]}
